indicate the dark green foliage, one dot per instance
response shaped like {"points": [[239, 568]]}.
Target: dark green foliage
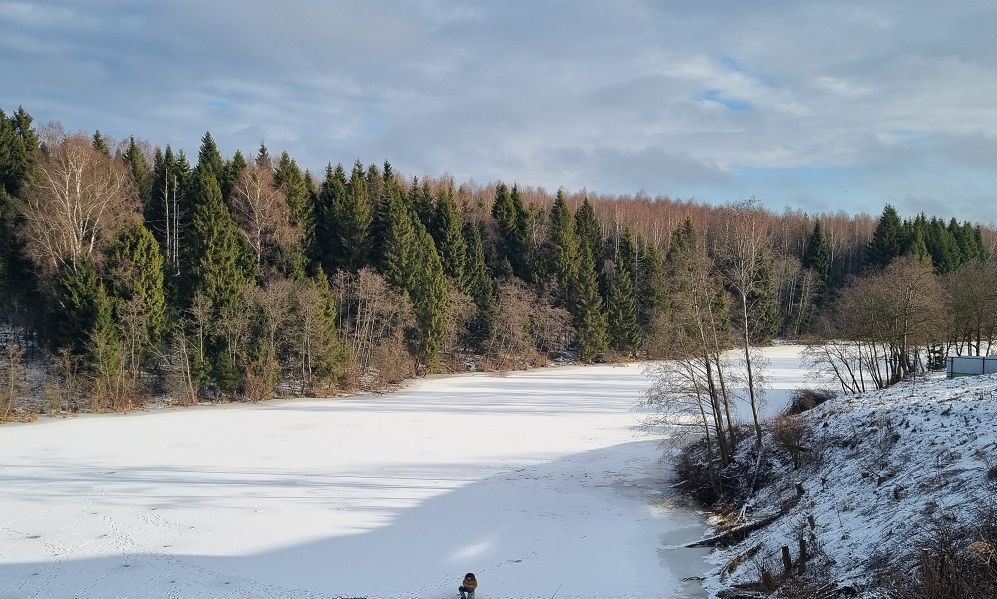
{"points": [[331, 194], [138, 166], [589, 319], [99, 143], [230, 173], [481, 287], [326, 356], [289, 179], [349, 221], [428, 290], [135, 271], [218, 264], [564, 249], [817, 258], [209, 159], [590, 233], [80, 298], [624, 333], [448, 231], [512, 220], [651, 286], [18, 149], [420, 201], [890, 240], [763, 305], [399, 250], [18, 146]]}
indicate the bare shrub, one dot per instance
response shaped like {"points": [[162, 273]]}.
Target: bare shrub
{"points": [[805, 399]]}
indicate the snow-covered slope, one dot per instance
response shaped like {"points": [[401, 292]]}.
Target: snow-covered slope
{"points": [[886, 463]]}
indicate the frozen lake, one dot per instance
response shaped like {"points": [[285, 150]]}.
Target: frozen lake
{"points": [[538, 482]]}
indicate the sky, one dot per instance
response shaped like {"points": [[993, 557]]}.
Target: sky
{"points": [[818, 106]]}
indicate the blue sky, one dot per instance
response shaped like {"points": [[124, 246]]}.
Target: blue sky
{"points": [[813, 105]]}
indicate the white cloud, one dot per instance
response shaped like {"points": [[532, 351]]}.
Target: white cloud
{"points": [[608, 96]]}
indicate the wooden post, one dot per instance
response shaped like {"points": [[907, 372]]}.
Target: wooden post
{"points": [[787, 561], [803, 556], [813, 523], [799, 489]]}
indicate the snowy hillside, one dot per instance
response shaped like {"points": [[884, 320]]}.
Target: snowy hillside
{"points": [[878, 468]]}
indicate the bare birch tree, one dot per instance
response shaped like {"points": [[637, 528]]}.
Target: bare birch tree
{"points": [[740, 246], [77, 199]]}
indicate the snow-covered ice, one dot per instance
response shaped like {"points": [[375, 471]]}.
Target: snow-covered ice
{"points": [[539, 482]]}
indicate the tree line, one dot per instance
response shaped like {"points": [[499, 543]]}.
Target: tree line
{"points": [[128, 272]]}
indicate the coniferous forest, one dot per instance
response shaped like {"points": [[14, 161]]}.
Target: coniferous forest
{"points": [[130, 271]]}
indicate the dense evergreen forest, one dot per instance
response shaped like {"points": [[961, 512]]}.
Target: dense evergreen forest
{"points": [[129, 271]]}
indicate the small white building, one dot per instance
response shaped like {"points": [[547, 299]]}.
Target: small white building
{"points": [[970, 365]]}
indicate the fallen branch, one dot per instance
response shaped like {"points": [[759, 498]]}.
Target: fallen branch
{"points": [[736, 534]]}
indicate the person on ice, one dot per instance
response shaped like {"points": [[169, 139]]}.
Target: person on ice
{"points": [[467, 587]]}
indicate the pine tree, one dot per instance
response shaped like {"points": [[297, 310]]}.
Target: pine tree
{"points": [[889, 240], [449, 235], [624, 333], [565, 250], [590, 321]]}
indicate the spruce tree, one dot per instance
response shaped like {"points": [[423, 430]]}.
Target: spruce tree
{"points": [[209, 159], [589, 232], [138, 166], [420, 201], [589, 319], [351, 216], [428, 290], [512, 253], [763, 304], [449, 235], [399, 251], [135, 268], [565, 250], [650, 286], [99, 143], [230, 173], [77, 305], [481, 287], [331, 194], [289, 179], [218, 268], [817, 258], [624, 333], [889, 240]]}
